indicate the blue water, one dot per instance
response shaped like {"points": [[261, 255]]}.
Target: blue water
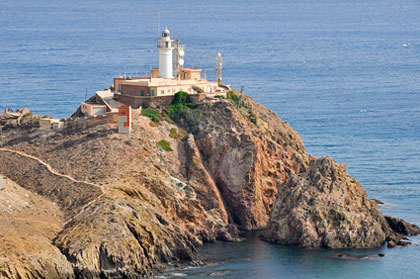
{"points": [[344, 74]]}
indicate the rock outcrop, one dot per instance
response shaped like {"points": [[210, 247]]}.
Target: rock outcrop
{"points": [[123, 206], [325, 207], [400, 226], [247, 160]]}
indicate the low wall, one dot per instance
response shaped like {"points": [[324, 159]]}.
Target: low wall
{"points": [[89, 121], [136, 101]]}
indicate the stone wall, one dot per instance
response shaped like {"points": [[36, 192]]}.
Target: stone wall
{"points": [[85, 122], [136, 101]]}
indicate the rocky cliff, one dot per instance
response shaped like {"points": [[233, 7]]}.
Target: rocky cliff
{"points": [[124, 205], [325, 207]]}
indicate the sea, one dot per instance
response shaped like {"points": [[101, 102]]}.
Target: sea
{"points": [[345, 74]]}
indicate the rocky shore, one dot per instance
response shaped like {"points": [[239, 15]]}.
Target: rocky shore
{"points": [[106, 205]]}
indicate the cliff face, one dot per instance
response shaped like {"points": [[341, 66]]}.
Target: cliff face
{"points": [[325, 207], [247, 160], [126, 206]]}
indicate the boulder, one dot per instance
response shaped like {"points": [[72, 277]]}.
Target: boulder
{"points": [[400, 226]]}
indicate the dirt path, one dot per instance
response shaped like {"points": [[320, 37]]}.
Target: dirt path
{"points": [[55, 172], [49, 167]]}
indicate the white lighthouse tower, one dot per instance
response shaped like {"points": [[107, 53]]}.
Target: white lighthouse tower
{"points": [[165, 47]]}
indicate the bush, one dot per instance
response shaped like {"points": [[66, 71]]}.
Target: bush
{"points": [[181, 97], [192, 119], [154, 114], [244, 108], [197, 89], [173, 133], [177, 133], [165, 145], [231, 95]]}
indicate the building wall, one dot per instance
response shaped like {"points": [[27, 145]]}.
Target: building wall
{"points": [[118, 81], [91, 109], [134, 90], [155, 73], [166, 90], [190, 74]]}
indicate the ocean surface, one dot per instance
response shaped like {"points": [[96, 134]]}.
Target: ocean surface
{"points": [[345, 74]]}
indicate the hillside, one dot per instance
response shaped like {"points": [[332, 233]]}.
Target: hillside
{"points": [[125, 205]]}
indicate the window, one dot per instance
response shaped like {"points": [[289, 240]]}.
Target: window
{"points": [[119, 87], [162, 92], [173, 91], [142, 92], [169, 91], [153, 92]]}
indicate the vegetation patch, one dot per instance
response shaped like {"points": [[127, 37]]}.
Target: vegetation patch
{"points": [[177, 133], [181, 97], [165, 145], [153, 114], [244, 108], [183, 111], [197, 89], [232, 96], [153, 124]]}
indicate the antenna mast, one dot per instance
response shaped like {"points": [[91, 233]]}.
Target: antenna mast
{"points": [[219, 60], [179, 58]]}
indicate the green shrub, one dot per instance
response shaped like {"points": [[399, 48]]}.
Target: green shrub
{"points": [[220, 96], [173, 133], [154, 114], [192, 118], [244, 108], [165, 145], [232, 96], [177, 133], [182, 111], [181, 97], [197, 89]]}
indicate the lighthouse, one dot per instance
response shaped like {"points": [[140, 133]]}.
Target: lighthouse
{"points": [[165, 47]]}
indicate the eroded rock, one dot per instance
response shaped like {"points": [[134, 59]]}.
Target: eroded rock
{"points": [[129, 207], [325, 207]]}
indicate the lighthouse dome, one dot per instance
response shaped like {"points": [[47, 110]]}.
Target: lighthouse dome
{"points": [[165, 32]]}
